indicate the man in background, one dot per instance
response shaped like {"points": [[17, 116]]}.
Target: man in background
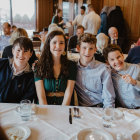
{"points": [[79, 18], [72, 43], [114, 38], [91, 21], [4, 39]]}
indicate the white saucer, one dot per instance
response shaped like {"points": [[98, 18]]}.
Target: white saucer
{"points": [[18, 132], [94, 134]]}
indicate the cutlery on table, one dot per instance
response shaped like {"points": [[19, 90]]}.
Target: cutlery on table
{"points": [[70, 116], [76, 112]]}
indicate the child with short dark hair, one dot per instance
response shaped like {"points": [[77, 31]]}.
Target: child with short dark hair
{"points": [[125, 76], [94, 85], [16, 76]]}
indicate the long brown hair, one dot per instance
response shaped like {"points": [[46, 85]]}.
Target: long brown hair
{"points": [[45, 64]]}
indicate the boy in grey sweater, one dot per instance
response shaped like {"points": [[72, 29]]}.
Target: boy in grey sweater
{"points": [[125, 76]]}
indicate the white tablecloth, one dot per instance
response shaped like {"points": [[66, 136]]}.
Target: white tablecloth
{"points": [[52, 122]]}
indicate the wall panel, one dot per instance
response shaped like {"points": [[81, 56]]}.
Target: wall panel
{"points": [[112, 2], [135, 20], [44, 13], [120, 3], [105, 2]]}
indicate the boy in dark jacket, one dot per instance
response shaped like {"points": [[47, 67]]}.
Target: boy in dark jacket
{"points": [[16, 76]]}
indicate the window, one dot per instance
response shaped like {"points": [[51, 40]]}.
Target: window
{"points": [[4, 12], [19, 12]]}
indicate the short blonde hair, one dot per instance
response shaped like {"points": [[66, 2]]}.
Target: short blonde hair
{"points": [[102, 42], [19, 32]]}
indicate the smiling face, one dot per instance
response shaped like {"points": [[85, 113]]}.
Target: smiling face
{"points": [[57, 46], [116, 60], [87, 51], [21, 56]]}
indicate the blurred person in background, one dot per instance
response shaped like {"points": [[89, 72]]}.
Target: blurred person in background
{"points": [[91, 21], [57, 19], [4, 39], [72, 43], [102, 42], [79, 18], [115, 39]]}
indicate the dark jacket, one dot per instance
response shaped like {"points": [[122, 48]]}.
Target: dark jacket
{"points": [[7, 53], [13, 88], [115, 19], [133, 55], [72, 42], [121, 42]]}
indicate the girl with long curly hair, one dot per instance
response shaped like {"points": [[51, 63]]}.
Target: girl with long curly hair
{"points": [[55, 75]]}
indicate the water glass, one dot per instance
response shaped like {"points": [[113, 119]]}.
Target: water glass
{"points": [[25, 110], [108, 116]]}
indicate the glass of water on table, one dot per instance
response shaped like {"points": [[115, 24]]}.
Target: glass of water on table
{"points": [[25, 110], [108, 117]]}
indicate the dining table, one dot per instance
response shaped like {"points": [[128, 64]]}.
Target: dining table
{"points": [[51, 122]]}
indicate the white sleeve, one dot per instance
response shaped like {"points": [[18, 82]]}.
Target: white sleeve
{"points": [[84, 23], [75, 21]]}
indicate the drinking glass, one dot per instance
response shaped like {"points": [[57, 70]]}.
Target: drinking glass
{"points": [[108, 116], [25, 110]]}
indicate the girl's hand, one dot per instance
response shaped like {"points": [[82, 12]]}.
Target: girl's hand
{"points": [[128, 79], [34, 64]]}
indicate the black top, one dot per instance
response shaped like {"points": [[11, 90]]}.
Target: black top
{"points": [[57, 20]]}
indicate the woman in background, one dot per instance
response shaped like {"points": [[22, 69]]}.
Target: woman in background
{"points": [[57, 19], [55, 75], [102, 42]]}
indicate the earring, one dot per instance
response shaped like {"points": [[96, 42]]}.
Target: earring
{"points": [[64, 53]]}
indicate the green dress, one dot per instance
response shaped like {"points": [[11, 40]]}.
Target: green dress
{"points": [[58, 85]]}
